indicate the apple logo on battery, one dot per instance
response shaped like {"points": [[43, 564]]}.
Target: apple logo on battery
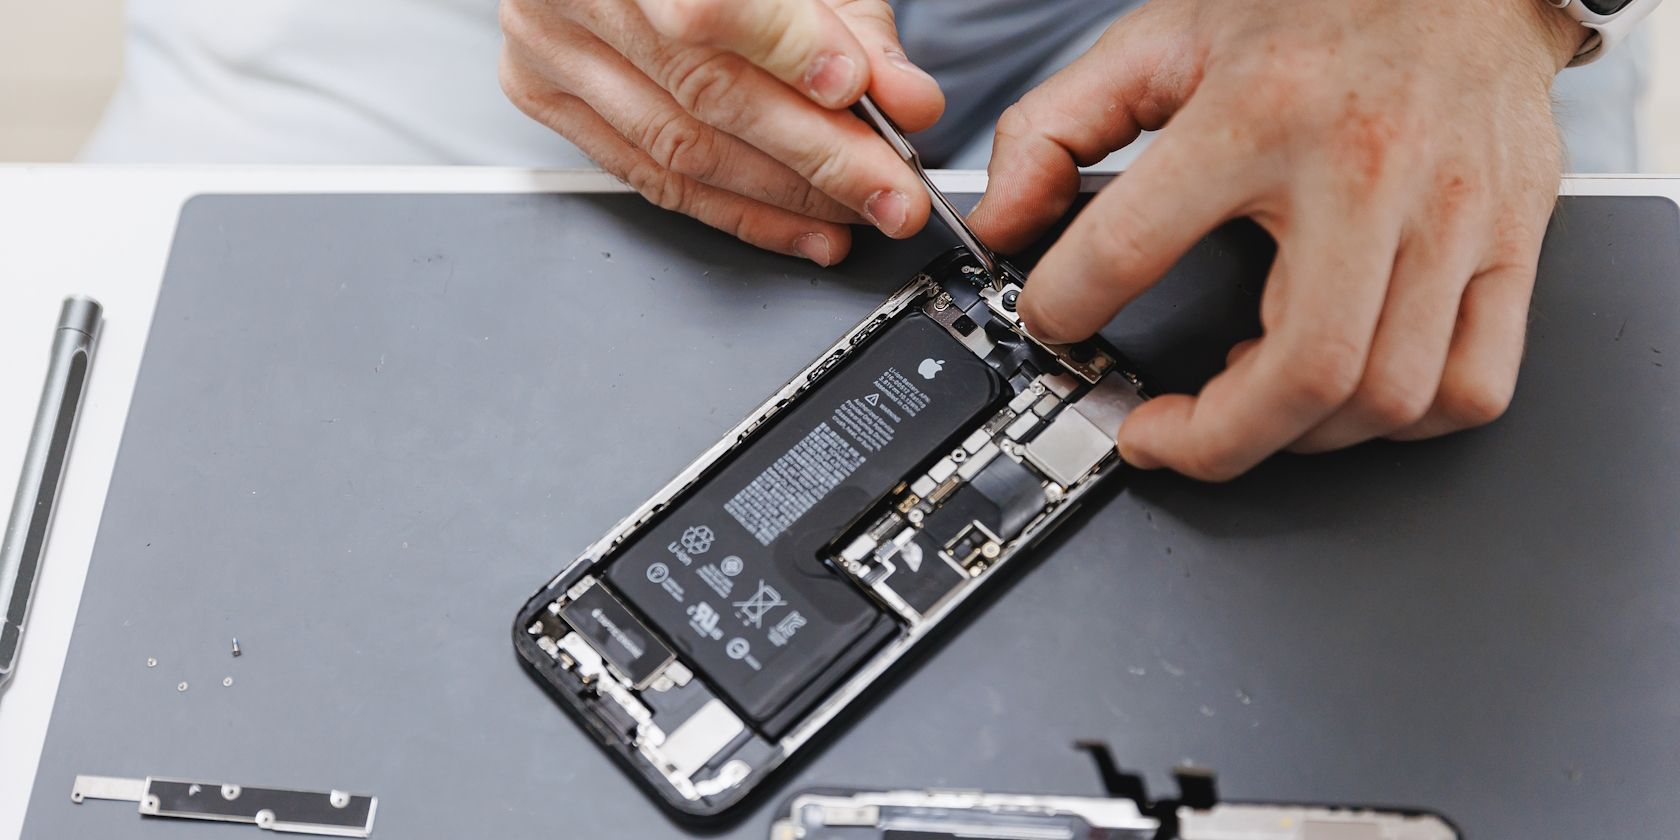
{"points": [[930, 368]]}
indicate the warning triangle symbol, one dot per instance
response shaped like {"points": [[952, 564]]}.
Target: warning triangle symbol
{"points": [[872, 399]]}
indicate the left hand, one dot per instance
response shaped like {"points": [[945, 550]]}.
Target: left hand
{"points": [[1402, 154], [731, 111]]}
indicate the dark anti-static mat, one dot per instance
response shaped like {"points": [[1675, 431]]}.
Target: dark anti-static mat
{"points": [[368, 428]]}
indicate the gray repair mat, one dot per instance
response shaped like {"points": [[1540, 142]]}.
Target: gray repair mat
{"points": [[369, 427]]}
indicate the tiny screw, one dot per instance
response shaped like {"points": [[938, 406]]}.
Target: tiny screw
{"points": [[1010, 298], [182, 686], [226, 681], [151, 662], [915, 517], [235, 645]]}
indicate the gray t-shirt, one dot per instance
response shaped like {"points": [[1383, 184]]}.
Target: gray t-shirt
{"points": [[414, 82]]}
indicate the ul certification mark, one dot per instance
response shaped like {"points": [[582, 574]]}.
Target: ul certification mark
{"points": [[704, 620]]}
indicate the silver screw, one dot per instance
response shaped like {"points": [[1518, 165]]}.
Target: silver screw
{"points": [[151, 662], [182, 686], [226, 681]]}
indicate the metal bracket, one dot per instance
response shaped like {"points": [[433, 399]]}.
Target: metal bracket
{"points": [[331, 814]]}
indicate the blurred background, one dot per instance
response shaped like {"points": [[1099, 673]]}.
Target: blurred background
{"points": [[60, 61]]}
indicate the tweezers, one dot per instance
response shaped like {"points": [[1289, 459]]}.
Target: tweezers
{"points": [[869, 112]]}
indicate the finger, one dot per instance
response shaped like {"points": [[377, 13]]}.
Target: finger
{"points": [[1409, 351], [772, 228], [647, 116], [834, 151], [1296, 375], [1133, 79], [1481, 370], [906, 92], [801, 42], [1240, 350], [1183, 186]]}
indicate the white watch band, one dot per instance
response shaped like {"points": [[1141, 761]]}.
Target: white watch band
{"points": [[1604, 32]]}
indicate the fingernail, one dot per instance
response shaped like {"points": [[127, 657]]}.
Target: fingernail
{"points": [[887, 210], [814, 247], [1034, 329], [831, 79], [1137, 457]]}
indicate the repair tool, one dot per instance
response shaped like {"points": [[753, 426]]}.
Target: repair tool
{"points": [[43, 469], [332, 814], [942, 206]]}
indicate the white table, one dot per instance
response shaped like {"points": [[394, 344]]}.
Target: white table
{"points": [[106, 232]]}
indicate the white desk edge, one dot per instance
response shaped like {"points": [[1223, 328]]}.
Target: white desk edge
{"points": [[106, 231]]}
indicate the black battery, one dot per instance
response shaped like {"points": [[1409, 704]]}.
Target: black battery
{"points": [[733, 574]]}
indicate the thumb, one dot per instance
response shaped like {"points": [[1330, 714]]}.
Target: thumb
{"points": [[802, 42], [906, 92], [1132, 80]]}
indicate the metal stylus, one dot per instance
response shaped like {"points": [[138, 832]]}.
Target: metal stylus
{"points": [[43, 469]]}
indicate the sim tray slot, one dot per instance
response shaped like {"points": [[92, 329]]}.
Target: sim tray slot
{"points": [[1089, 368], [332, 814]]}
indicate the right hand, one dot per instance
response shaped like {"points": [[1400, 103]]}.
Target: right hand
{"points": [[732, 111]]}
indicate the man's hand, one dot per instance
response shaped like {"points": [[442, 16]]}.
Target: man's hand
{"points": [[1402, 154], [731, 111]]}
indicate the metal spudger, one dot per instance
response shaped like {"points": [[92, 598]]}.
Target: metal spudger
{"points": [[43, 470], [872, 114]]}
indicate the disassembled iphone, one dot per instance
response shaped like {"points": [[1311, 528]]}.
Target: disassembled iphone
{"points": [[1125, 814], [717, 629]]}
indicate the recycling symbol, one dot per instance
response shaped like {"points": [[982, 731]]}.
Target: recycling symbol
{"points": [[697, 539]]}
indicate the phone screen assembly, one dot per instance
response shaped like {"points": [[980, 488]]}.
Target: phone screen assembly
{"points": [[717, 629], [1128, 812], [962, 815]]}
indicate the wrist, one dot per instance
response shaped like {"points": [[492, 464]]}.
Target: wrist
{"points": [[1562, 35]]}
